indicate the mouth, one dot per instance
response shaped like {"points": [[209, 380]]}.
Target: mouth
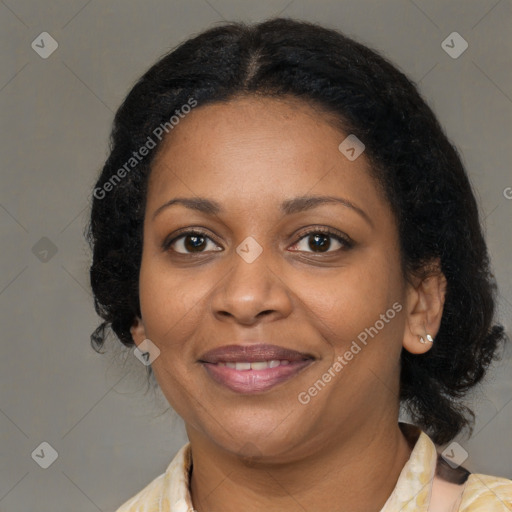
{"points": [[253, 369]]}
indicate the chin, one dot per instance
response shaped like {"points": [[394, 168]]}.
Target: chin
{"points": [[259, 435]]}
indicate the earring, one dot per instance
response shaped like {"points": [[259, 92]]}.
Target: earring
{"points": [[429, 339]]}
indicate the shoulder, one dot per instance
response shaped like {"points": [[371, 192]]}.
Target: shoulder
{"points": [[166, 491], [486, 493], [147, 500]]}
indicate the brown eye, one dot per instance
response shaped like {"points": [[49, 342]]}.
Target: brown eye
{"points": [[192, 242], [320, 241]]}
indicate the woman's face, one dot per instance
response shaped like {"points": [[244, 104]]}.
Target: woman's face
{"points": [[268, 266]]}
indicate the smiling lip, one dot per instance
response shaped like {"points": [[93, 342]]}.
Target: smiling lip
{"points": [[253, 368]]}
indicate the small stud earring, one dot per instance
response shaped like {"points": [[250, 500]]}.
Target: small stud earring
{"points": [[429, 339]]}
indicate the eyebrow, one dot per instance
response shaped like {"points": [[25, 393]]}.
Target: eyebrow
{"points": [[288, 207]]}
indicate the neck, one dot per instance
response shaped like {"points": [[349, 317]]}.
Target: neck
{"points": [[356, 475]]}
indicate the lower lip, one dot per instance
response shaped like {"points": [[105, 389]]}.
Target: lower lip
{"points": [[254, 381]]}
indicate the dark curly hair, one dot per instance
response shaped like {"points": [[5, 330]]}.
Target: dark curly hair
{"points": [[411, 157]]}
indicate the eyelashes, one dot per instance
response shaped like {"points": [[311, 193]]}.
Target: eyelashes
{"points": [[198, 238], [194, 241], [343, 240]]}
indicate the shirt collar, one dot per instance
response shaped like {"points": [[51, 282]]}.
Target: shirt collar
{"points": [[411, 493], [414, 485]]}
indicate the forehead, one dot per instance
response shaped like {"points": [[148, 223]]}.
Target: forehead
{"points": [[257, 148]]}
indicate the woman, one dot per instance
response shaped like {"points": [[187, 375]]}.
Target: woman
{"points": [[287, 236]]}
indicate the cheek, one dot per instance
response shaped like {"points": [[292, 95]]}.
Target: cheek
{"points": [[169, 304], [170, 310], [360, 315], [357, 296]]}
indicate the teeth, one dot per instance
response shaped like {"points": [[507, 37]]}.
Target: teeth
{"points": [[256, 365], [260, 365]]}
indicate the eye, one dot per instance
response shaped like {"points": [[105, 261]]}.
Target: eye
{"points": [[192, 242], [317, 240], [320, 240]]}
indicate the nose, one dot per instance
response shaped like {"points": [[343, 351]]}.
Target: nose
{"points": [[251, 293]]}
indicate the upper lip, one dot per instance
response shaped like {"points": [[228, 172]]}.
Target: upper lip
{"points": [[252, 353]]}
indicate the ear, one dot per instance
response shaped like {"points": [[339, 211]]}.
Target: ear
{"points": [[138, 331], [425, 302]]}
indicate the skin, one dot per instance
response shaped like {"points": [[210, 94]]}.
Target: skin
{"points": [[268, 451]]}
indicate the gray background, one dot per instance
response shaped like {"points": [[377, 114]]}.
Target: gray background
{"points": [[112, 437]]}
